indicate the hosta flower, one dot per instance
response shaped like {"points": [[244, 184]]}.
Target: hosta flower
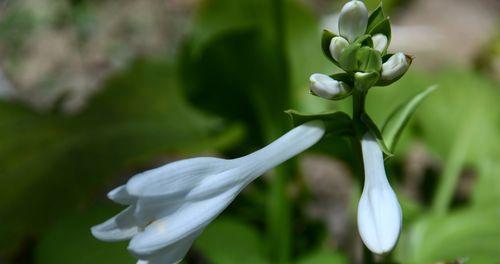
{"points": [[326, 87], [353, 20], [168, 207], [379, 213]]}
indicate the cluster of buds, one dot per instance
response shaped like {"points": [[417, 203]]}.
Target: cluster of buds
{"points": [[360, 50]]}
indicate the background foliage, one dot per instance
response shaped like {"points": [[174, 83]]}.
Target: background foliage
{"points": [[223, 92]]}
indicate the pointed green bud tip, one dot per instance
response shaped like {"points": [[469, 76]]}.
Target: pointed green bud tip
{"points": [[380, 42], [395, 66], [337, 46], [326, 87], [353, 20]]}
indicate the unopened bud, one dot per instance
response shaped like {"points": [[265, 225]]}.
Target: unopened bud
{"points": [[337, 45], [380, 42], [395, 67], [353, 20], [324, 86]]}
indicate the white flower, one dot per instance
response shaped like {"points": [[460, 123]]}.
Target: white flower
{"points": [[337, 45], [171, 205], [380, 42], [394, 67], [379, 213], [324, 86], [353, 20]]}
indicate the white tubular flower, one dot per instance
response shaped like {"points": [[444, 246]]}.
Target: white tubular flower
{"points": [[394, 67], [353, 20], [324, 86], [380, 42], [337, 45], [171, 205], [379, 213]]}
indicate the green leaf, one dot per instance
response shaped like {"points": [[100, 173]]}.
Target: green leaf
{"points": [[228, 241], [398, 119], [70, 241], [324, 256], [343, 77], [383, 27], [369, 60], [326, 38], [138, 117], [337, 123], [376, 17], [472, 235], [349, 60]]}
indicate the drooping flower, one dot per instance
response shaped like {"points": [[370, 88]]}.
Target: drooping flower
{"points": [[353, 20], [379, 212], [169, 207]]}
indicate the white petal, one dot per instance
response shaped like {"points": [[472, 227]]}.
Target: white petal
{"points": [[175, 178], [394, 67], [173, 253], [353, 20], [324, 86], [120, 227], [287, 146], [121, 196], [379, 213], [337, 46], [186, 219], [380, 42]]}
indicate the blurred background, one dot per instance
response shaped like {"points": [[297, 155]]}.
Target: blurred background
{"points": [[94, 91]]}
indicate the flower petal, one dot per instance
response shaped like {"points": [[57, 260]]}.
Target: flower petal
{"points": [[120, 227], [121, 196], [174, 178], [173, 253], [379, 213], [179, 224]]}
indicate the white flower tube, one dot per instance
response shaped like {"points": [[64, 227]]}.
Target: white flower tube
{"points": [[394, 67], [353, 20], [171, 205], [324, 86], [379, 213]]}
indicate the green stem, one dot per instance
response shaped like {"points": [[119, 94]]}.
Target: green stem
{"points": [[279, 223]]}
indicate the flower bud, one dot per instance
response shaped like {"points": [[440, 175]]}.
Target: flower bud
{"points": [[379, 212], [337, 45], [353, 20], [380, 42], [324, 86], [395, 67]]}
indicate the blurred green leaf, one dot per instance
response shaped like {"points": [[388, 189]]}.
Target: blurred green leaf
{"points": [[323, 257], [398, 119], [228, 241], [70, 241], [49, 162], [471, 234]]}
